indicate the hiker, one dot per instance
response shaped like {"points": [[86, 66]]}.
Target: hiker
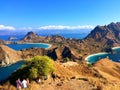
{"points": [[38, 80], [18, 84], [24, 83], [53, 76], [45, 77]]}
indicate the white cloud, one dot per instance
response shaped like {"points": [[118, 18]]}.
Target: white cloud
{"points": [[26, 28], [65, 27], [49, 27], [3, 27]]}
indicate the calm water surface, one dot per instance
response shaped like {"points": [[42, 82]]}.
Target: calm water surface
{"points": [[5, 72], [114, 57]]}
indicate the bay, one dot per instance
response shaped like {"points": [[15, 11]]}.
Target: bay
{"points": [[115, 56]]}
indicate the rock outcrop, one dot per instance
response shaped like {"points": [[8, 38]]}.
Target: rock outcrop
{"points": [[8, 55], [107, 35], [59, 53]]}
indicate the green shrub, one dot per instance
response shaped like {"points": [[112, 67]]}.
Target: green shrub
{"points": [[35, 67], [66, 59], [43, 64], [33, 73]]}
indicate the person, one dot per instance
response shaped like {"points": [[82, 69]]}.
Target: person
{"points": [[18, 84], [28, 82], [24, 83], [53, 76], [38, 80], [45, 77]]}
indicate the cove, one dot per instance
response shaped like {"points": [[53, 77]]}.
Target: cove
{"points": [[28, 45], [6, 71], [114, 57]]}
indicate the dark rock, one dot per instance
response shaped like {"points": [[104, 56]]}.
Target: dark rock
{"points": [[66, 52]]}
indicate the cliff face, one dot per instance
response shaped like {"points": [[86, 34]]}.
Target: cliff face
{"points": [[107, 35], [8, 55], [59, 53]]}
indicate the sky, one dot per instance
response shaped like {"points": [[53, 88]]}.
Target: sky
{"points": [[57, 14]]}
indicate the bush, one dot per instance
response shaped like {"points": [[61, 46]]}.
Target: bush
{"points": [[35, 67], [66, 59], [43, 64], [33, 73]]}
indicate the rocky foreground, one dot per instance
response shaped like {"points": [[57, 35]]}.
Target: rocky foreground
{"points": [[79, 76]]}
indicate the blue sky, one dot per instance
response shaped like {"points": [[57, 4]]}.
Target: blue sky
{"points": [[45, 14]]}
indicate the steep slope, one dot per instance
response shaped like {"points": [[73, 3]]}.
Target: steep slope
{"points": [[31, 37], [107, 35], [108, 68], [8, 55]]}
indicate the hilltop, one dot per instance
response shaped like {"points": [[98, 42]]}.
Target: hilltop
{"points": [[108, 35]]}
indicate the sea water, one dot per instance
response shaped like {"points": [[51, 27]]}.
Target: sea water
{"points": [[27, 46], [5, 72], [115, 56]]}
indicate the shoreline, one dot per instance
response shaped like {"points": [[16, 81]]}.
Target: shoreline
{"points": [[11, 63], [116, 47], [94, 54], [49, 45], [87, 58]]}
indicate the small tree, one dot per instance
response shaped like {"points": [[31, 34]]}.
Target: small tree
{"points": [[40, 65], [36, 66]]}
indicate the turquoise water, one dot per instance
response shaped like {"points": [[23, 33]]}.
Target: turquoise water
{"points": [[5, 72], [26, 46], [114, 57]]}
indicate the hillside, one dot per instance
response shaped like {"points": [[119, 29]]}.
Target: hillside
{"points": [[79, 76], [107, 35], [8, 55], [110, 69]]}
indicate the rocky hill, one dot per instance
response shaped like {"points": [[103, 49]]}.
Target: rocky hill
{"points": [[106, 35], [33, 37], [8, 55]]}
